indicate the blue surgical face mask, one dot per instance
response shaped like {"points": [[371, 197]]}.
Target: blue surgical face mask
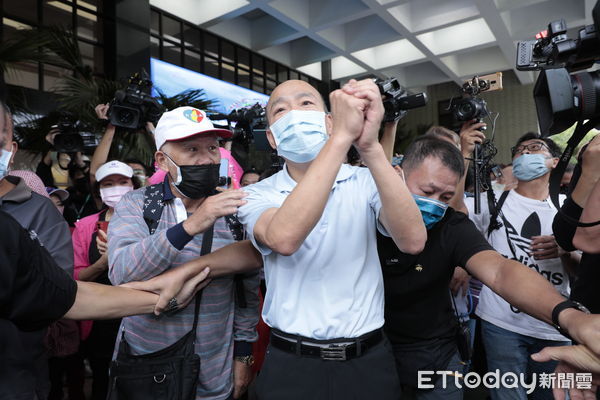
{"points": [[528, 167], [300, 135], [432, 210], [4, 161]]}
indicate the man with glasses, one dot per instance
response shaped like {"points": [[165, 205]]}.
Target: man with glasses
{"points": [[525, 234]]}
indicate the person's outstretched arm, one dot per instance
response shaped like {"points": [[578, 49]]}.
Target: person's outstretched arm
{"points": [[101, 153]]}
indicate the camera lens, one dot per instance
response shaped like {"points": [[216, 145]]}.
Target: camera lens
{"points": [[586, 87], [125, 117]]}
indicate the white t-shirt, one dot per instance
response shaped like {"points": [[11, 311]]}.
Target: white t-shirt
{"points": [[526, 218], [332, 286]]}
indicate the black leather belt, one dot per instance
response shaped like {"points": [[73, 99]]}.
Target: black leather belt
{"points": [[344, 350]]}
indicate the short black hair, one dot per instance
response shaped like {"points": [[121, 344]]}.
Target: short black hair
{"points": [[441, 132], [427, 146], [552, 147]]}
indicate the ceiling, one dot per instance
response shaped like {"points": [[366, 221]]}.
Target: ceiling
{"points": [[421, 42]]}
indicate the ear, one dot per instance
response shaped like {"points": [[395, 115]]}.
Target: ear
{"points": [[14, 147], [162, 160], [553, 162], [271, 139], [328, 123]]}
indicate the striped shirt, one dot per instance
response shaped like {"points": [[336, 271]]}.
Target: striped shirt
{"points": [[135, 255]]}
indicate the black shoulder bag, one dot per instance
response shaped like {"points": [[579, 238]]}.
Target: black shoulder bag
{"points": [[170, 373]]}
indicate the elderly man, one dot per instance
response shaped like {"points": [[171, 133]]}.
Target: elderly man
{"points": [[188, 150]]}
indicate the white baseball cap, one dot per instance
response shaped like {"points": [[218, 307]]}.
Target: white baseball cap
{"points": [[185, 122], [113, 168]]}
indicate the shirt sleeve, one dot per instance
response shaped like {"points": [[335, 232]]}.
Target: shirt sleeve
{"points": [[248, 214], [134, 254], [466, 239], [246, 318], [368, 186], [54, 234]]}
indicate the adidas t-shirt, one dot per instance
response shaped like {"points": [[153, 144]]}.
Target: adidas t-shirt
{"points": [[525, 218]]}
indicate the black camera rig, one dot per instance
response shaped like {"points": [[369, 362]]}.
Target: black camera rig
{"points": [[133, 107], [69, 139], [397, 100]]}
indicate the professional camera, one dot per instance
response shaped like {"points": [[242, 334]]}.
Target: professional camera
{"points": [[562, 98], [248, 121], [471, 106], [133, 107], [397, 100], [69, 139]]}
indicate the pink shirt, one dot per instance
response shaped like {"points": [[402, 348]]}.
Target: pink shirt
{"points": [[82, 238], [235, 170]]}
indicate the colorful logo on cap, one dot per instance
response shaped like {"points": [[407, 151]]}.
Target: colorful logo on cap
{"points": [[194, 115]]}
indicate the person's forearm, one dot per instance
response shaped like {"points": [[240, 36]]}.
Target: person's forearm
{"points": [[388, 139], [232, 259], [93, 271], [525, 289], [302, 209], [101, 153], [588, 239], [399, 212], [96, 301], [583, 189]]}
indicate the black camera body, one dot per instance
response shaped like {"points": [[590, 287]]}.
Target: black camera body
{"points": [[397, 99], [69, 139], [471, 106], [562, 97], [133, 107]]}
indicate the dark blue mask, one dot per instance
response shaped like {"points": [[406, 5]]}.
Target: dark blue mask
{"points": [[431, 210]]}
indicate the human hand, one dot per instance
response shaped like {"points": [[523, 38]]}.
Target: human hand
{"points": [[582, 327], [373, 115], [226, 202], [102, 111], [348, 116], [573, 360], [470, 134], [174, 284], [242, 376], [51, 135], [101, 242], [460, 281], [545, 247]]}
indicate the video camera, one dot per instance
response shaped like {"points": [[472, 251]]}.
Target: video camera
{"points": [[133, 107], [247, 120], [562, 98], [397, 100], [69, 139], [471, 106]]}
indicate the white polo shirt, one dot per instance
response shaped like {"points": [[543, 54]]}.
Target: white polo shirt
{"points": [[332, 286]]}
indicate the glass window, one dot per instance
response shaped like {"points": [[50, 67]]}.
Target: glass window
{"points": [[270, 85], [92, 56], [171, 29], [211, 45], [53, 75], [294, 75], [192, 60], [243, 58], [192, 37], [304, 77], [244, 78], [282, 73], [89, 26], [92, 5], [171, 53], [23, 74], [155, 47], [154, 22], [10, 27], [228, 72], [211, 67], [22, 9], [257, 64], [56, 13], [270, 69], [227, 52], [258, 83]]}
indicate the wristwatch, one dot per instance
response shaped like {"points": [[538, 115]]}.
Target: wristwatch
{"points": [[248, 360], [563, 306]]}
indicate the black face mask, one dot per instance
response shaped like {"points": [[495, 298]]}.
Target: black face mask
{"points": [[197, 181]]}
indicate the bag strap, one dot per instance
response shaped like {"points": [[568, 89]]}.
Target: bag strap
{"points": [[153, 205], [206, 248], [493, 225]]}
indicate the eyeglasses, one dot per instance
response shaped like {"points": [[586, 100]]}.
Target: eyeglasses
{"points": [[537, 146]]}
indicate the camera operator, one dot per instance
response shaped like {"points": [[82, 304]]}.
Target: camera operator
{"points": [[585, 177]]}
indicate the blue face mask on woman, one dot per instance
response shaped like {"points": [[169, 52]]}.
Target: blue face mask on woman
{"points": [[432, 210], [300, 135], [528, 167]]}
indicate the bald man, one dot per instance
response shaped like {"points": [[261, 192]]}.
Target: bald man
{"points": [[315, 224]]}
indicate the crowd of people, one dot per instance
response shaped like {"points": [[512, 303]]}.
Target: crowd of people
{"points": [[340, 276]]}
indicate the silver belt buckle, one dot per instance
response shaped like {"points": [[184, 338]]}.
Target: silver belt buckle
{"points": [[334, 353]]}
